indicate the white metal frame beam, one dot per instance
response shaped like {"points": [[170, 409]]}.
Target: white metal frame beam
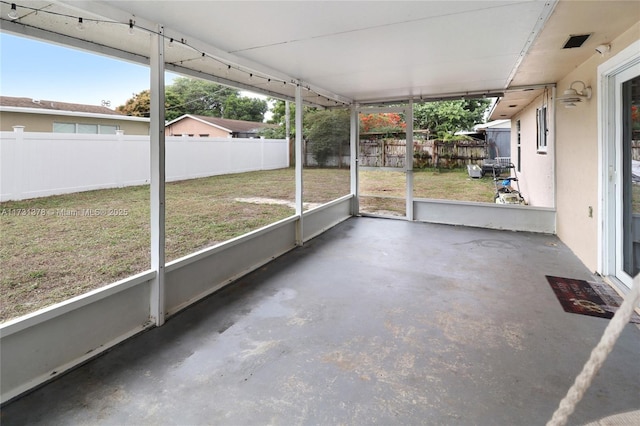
{"points": [[21, 29], [157, 188], [408, 159], [299, 162], [353, 143], [407, 109]]}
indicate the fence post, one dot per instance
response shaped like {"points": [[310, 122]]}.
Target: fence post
{"points": [[261, 153], [22, 172], [119, 179], [384, 152]]}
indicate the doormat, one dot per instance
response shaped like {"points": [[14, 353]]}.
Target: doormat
{"points": [[587, 298]]}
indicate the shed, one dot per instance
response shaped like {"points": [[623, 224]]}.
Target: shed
{"points": [[497, 134]]}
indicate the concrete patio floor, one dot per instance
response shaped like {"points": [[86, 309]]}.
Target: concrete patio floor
{"points": [[376, 321]]}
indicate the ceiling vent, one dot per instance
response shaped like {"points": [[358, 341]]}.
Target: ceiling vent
{"points": [[576, 41]]}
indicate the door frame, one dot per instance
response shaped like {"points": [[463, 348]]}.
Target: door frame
{"points": [[609, 151], [407, 109]]}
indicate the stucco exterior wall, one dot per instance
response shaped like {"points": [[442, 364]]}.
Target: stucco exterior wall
{"points": [[573, 141], [44, 122], [536, 172], [188, 126], [578, 161]]}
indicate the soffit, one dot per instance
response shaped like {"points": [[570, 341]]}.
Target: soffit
{"points": [[547, 61]]}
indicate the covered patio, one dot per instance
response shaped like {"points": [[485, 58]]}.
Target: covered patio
{"points": [[328, 317], [431, 324]]}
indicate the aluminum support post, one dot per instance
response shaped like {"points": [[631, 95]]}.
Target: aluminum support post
{"points": [[353, 143], [157, 302], [287, 130], [408, 160], [299, 161]]}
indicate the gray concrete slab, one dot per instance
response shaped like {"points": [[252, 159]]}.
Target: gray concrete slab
{"points": [[374, 322]]}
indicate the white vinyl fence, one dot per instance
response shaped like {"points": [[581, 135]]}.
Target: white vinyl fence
{"points": [[41, 164]]}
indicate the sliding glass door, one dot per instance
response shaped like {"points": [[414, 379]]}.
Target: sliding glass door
{"points": [[628, 176]]}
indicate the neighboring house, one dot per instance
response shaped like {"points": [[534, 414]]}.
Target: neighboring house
{"points": [[63, 117], [214, 127]]}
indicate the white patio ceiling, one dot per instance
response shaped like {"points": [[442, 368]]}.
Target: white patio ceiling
{"points": [[365, 52]]}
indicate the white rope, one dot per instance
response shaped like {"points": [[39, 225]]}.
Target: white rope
{"points": [[598, 355]]}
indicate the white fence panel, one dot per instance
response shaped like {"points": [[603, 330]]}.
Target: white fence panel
{"points": [[41, 164], [273, 151]]}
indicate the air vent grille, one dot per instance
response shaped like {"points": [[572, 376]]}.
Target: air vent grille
{"points": [[576, 41]]}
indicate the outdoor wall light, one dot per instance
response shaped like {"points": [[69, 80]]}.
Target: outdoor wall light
{"points": [[572, 96], [13, 13], [603, 49]]}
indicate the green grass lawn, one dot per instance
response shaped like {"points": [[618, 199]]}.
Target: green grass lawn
{"points": [[58, 247], [383, 191]]}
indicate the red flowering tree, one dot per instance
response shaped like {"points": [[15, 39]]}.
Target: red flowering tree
{"points": [[382, 123]]}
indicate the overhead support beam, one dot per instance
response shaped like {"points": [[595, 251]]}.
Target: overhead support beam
{"points": [[237, 85], [530, 87], [370, 105], [299, 162], [157, 188], [227, 82], [15, 27], [327, 94]]}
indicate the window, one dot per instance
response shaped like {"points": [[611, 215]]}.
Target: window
{"points": [[541, 114], [87, 129], [84, 128], [64, 127], [106, 129]]}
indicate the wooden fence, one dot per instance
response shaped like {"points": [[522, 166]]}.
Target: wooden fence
{"points": [[432, 153]]}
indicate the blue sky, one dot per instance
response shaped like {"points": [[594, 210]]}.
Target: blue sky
{"points": [[38, 70], [34, 69]]}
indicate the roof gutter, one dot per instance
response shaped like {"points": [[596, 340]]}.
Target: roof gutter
{"points": [[24, 110]]}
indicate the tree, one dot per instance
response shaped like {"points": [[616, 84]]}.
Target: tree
{"points": [[382, 123], [278, 111], [278, 116], [198, 97], [445, 118], [327, 131], [244, 108], [138, 105]]}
